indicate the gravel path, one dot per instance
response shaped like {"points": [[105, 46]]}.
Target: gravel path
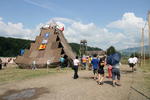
{"points": [[62, 86]]}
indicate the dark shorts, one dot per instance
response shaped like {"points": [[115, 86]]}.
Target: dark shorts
{"points": [[94, 71], [0, 66], [131, 64], [115, 73], [84, 64], [101, 71]]}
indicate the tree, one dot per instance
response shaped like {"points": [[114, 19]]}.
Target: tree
{"points": [[111, 50]]}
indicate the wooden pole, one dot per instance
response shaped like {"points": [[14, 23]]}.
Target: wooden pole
{"points": [[142, 45], [149, 30]]}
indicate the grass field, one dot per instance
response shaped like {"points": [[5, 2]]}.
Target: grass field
{"points": [[124, 60], [145, 67], [14, 73]]}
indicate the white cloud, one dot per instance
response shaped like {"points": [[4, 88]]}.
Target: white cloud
{"points": [[96, 36], [128, 22], [14, 30], [127, 36], [1, 18], [131, 27]]}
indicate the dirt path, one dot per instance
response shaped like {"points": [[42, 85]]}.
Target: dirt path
{"points": [[62, 87]]}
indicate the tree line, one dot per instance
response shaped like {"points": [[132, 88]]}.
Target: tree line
{"points": [[10, 47]]}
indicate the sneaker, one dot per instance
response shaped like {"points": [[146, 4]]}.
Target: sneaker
{"points": [[100, 83]]}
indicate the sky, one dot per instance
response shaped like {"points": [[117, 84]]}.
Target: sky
{"points": [[102, 23]]}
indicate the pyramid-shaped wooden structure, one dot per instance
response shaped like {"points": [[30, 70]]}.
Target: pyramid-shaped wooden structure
{"points": [[49, 45]]}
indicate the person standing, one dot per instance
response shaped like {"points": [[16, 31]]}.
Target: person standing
{"points": [[101, 71], [95, 64], [84, 60], [131, 63], [109, 67], [109, 71], [135, 61], [34, 65], [76, 63], [0, 64], [114, 61], [62, 60], [48, 63], [89, 65]]}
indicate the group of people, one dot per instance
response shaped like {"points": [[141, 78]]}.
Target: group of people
{"points": [[64, 61], [98, 64], [86, 62]]}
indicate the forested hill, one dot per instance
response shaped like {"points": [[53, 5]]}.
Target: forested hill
{"points": [[10, 47], [76, 47]]}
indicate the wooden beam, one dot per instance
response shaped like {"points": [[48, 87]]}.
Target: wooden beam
{"points": [[149, 29]]}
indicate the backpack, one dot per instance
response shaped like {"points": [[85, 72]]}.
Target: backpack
{"points": [[101, 62], [113, 59]]}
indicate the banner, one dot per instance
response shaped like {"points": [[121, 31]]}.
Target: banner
{"points": [[46, 35], [44, 42], [21, 52], [60, 27], [42, 46]]}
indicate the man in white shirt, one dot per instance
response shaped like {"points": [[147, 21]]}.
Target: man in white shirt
{"points": [[135, 61], [131, 63], [75, 68]]}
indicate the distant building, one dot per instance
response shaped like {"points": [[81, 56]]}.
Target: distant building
{"points": [[91, 53]]}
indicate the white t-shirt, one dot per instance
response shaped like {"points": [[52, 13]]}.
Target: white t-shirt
{"points": [[131, 60], [48, 62], [34, 62], [76, 62], [135, 60]]}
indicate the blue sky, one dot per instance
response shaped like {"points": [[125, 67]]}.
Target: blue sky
{"points": [[102, 15]]}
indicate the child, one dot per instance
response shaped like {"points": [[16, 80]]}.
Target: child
{"points": [[101, 71]]}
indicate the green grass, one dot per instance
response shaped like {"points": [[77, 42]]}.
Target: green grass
{"points": [[145, 67], [14, 73], [124, 60]]}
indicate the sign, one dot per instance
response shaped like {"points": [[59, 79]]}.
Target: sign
{"points": [[42, 46], [44, 42], [46, 35], [21, 52]]}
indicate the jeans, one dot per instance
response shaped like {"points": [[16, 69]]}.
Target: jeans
{"points": [[75, 72], [116, 73]]}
